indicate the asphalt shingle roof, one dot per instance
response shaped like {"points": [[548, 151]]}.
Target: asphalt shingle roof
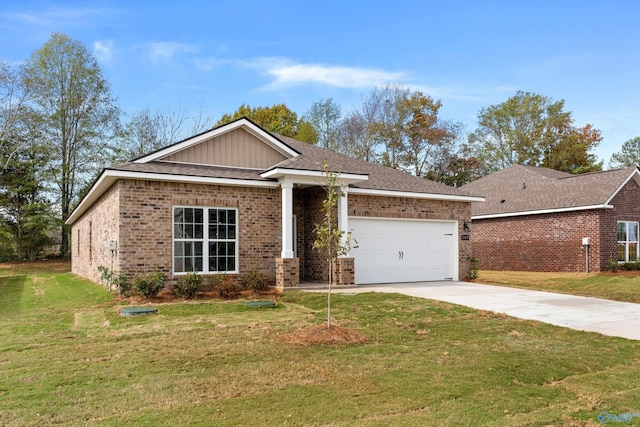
{"points": [[186, 169], [518, 189], [380, 177], [311, 158]]}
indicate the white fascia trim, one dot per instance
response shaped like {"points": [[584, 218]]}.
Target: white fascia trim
{"points": [[411, 195], [293, 173], [543, 211], [150, 176], [109, 176], [635, 174], [247, 125]]}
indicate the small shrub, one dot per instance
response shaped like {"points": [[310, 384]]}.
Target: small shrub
{"points": [[123, 284], [224, 286], [118, 280], [150, 284], [613, 265], [105, 274], [187, 286], [629, 266], [257, 282], [475, 268]]}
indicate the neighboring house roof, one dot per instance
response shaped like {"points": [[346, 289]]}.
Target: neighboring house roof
{"points": [[302, 161], [526, 190]]}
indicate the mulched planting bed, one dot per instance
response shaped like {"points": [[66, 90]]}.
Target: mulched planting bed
{"points": [[320, 334]]}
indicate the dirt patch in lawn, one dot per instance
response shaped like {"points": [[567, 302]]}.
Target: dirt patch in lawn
{"points": [[320, 334]]}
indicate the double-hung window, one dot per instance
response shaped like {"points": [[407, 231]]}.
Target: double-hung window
{"points": [[627, 241], [205, 240]]}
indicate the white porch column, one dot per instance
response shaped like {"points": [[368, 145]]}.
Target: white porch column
{"points": [[343, 214], [287, 219]]}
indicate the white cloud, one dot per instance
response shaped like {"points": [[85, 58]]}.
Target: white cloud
{"points": [[56, 17], [164, 51], [286, 73], [103, 51], [337, 76], [208, 64]]}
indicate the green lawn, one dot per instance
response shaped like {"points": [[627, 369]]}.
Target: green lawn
{"points": [[623, 286], [68, 358]]}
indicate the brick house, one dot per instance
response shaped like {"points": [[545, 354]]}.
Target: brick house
{"points": [[535, 219], [237, 199]]}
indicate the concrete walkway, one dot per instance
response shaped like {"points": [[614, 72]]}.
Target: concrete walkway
{"points": [[618, 319]]}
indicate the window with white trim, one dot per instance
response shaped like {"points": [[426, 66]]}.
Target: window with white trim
{"points": [[205, 240], [627, 241]]}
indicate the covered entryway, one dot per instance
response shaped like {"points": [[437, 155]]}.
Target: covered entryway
{"points": [[403, 250]]}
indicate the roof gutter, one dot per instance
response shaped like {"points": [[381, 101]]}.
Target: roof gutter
{"points": [[412, 195], [542, 211]]}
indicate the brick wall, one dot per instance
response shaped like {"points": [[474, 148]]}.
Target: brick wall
{"points": [[89, 236], [287, 273], [626, 208], [139, 215], [299, 210], [316, 267], [553, 242], [144, 210], [548, 242]]}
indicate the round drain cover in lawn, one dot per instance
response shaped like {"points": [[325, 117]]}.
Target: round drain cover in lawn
{"points": [[259, 304], [136, 311]]}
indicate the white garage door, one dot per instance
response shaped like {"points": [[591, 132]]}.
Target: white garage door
{"points": [[391, 250]]}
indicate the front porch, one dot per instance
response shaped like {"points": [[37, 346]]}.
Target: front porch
{"points": [[302, 209], [288, 274]]}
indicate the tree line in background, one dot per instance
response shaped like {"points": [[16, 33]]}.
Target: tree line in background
{"points": [[60, 126]]}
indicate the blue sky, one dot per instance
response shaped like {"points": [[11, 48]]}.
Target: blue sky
{"points": [[215, 55]]}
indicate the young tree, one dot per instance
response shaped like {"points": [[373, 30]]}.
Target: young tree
{"points": [[532, 129], [77, 110], [629, 155], [330, 241], [277, 119]]}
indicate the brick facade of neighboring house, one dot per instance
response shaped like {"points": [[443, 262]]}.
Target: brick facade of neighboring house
{"points": [[548, 242], [551, 237], [136, 203]]}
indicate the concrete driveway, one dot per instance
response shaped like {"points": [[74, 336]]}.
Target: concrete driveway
{"points": [[618, 319]]}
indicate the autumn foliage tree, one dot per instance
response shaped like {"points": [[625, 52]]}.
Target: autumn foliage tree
{"points": [[400, 128], [277, 119], [532, 129]]}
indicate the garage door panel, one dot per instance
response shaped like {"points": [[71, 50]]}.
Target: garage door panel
{"points": [[391, 250]]}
